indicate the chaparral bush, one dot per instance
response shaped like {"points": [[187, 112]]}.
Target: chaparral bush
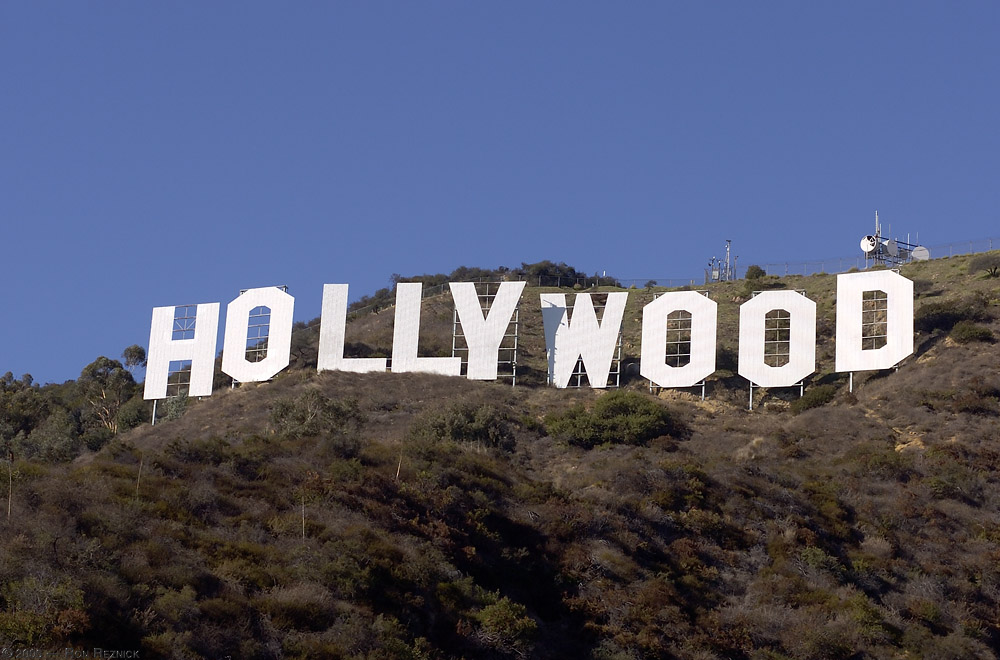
{"points": [[814, 397], [483, 424], [966, 332], [618, 417], [945, 315]]}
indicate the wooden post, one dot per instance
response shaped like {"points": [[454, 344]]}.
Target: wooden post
{"points": [[138, 478], [10, 481]]}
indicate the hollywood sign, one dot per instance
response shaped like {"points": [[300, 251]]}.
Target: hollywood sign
{"points": [[568, 338]]}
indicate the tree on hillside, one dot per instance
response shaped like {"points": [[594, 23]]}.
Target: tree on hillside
{"points": [[134, 356], [989, 262], [475, 274], [34, 422], [549, 274], [106, 385], [755, 272], [22, 408]]}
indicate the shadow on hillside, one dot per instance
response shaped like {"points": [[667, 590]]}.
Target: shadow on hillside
{"points": [[927, 343]]}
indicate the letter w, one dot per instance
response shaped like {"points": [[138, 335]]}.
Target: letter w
{"points": [[582, 336]]}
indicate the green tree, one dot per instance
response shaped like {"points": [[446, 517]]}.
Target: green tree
{"points": [[23, 407], [134, 412], [548, 273], [55, 439], [755, 272], [106, 385], [134, 356]]}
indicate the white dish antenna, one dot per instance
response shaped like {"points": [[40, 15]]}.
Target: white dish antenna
{"points": [[920, 253], [891, 247], [868, 244]]}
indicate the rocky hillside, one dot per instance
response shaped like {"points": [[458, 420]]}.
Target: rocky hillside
{"points": [[415, 516]]}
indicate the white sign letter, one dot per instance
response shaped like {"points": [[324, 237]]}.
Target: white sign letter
{"points": [[566, 340], [164, 349], [485, 335], [704, 316], [279, 334], [333, 319], [406, 335], [898, 318], [801, 338]]}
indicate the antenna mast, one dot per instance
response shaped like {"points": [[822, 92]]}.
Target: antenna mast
{"points": [[889, 251], [729, 267], [722, 270]]}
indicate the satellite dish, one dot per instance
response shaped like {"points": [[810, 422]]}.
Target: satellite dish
{"points": [[868, 244], [891, 247], [920, 253]]}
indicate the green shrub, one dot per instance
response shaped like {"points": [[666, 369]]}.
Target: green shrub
{"points": [[966, 332], [975, 403], [814, 397], [945, 315], [726, 359], [950, 474], [763, 282], [818, 559], [617, 418], [132, 414], [41, 610], [685, 487], [302, 606], [506, 626], [881, 461], [176, 406], [312, 413], [755, 272], [95, 438], [55, 439], [936, 316], [469, 422], [212, 450]]}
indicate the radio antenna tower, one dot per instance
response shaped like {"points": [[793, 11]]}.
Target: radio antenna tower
{"points": [[889, 251], [730, 262], [722, 270]]}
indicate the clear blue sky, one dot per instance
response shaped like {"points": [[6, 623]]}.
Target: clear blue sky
{"points": [[168, 153]]}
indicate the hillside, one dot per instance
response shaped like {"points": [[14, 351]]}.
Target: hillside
{"points": [[389, 515]]}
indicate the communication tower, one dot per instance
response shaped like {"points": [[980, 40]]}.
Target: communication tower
{"points": [[890, 251], [722, 270]]}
